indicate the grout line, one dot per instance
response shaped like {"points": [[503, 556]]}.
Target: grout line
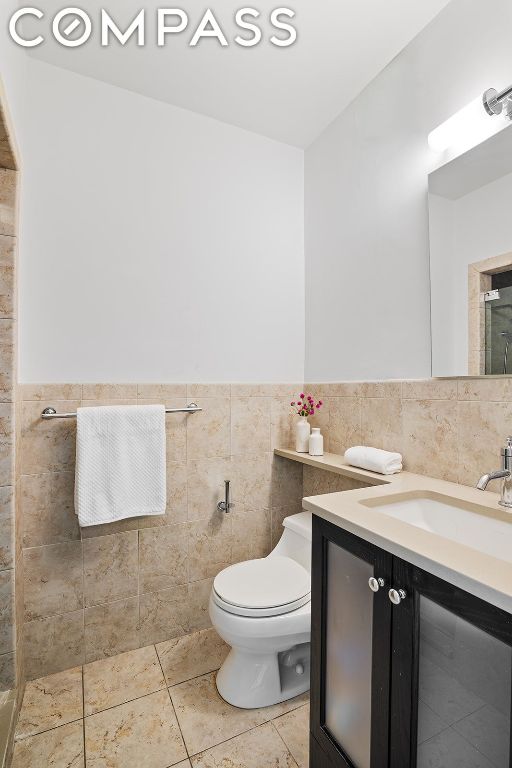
{"points": [[83, 714], [178, 722], [272, 723]]}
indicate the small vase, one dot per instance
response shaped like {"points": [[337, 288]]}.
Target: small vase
{"points": [[302, 432], [316, 443]]}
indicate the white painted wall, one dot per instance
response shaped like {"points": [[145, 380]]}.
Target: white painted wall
{"points": [[157, 244], [463, 231], [367, 257]]}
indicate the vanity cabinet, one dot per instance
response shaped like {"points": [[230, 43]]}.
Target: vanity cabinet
{"points": [[408, 671]]}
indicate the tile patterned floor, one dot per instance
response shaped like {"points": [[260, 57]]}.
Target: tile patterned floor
{"points": [[156, 707]]}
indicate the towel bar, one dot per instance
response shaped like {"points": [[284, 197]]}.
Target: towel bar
{"points": [[51, 413]]}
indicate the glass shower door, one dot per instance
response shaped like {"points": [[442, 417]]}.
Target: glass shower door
{"points": [[498, 334]]}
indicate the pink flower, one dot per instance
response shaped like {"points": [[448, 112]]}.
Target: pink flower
{"points": [[292, 404], [302, 395]]}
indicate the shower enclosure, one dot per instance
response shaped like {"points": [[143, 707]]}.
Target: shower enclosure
{"points": [[498, 328]]}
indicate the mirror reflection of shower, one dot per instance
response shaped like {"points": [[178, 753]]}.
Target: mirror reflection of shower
{"points": [[507, 335], [498, 326]]}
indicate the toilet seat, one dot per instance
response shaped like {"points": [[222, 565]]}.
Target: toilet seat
{"points": [[271, 586]]}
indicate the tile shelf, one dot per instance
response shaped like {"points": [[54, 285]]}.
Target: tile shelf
{"points": [[333, 462]]}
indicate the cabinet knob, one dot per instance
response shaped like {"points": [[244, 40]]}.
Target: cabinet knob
{"points": [[375, 584], [397, 595]]}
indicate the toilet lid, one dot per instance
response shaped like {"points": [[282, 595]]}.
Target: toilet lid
{"points": [[267, 583]]}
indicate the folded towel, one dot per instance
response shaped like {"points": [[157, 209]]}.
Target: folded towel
{"points": [[375, 460], [120, 463]]}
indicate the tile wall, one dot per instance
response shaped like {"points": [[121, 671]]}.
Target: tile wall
{"points": [[10, 564], [97, 592], [446, 428]]}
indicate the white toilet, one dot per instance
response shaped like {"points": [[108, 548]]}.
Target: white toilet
{"points": [[262, 609]]}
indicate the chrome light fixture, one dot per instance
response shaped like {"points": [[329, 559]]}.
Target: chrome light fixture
{"points": [[471, 125], [495, 103]]}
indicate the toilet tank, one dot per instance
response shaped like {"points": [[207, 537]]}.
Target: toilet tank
{"points": [[296, 539]]}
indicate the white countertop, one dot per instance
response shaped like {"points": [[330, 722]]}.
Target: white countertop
{"points": [[480, 574]]}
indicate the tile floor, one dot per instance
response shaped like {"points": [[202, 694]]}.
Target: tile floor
{"points": [[155, 707]]}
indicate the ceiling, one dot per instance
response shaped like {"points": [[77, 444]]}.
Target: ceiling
{"points": [[289, 94]]}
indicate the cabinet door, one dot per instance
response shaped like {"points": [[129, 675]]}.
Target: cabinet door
{"points": [[351, 634], [451, 676]]}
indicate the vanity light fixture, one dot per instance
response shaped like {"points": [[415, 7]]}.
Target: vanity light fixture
{"points": [[471, 125]]}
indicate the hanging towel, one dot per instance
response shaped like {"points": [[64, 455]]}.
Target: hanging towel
{"points": [[375, 460], [120, 463]]}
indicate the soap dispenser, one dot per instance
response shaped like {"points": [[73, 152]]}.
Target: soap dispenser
{"points": [[316, 442]]}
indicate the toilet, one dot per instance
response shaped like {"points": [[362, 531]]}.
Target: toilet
{"points": [[262, 609]]}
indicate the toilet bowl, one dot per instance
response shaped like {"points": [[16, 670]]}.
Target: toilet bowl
{"points": [[262, 609]]}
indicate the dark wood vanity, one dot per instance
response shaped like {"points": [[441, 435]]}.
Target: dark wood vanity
{"points": [[408, 670]]}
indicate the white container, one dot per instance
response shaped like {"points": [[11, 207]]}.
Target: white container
{"points": [[302, 432], [316, 443]]}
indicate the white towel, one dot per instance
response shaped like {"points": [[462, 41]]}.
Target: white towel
{"points": [[120, 463], [375, 460]]}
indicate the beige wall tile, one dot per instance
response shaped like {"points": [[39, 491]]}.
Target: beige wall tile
{"points": [[195, 391], [176, 511], [429, 389], [485, 389], [7, 276], [250, 425], [334, 389], [430, 437], [387, 389], [111, 629], [286, 483], [110, 567], [251, 535], [53, 579], [344, 423], [47, 446], [7, 201], [317, 481], [198, 599], [7, 617], [210, 543], [482, 428], [109, 391], [282, 423], [205, 480], [6, 528], [381, 425], [251, 477], [6, 444], [208, 432], [164, 393], [108, 529], [47, 393], [7, 360], [164, 614], [48, 509], [163, 557], [186, 657], [53, 644]]}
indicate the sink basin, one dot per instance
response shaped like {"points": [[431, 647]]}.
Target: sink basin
{"points": [[486, 530]]}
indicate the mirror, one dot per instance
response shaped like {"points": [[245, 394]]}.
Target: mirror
{"points": [[470, 207]]}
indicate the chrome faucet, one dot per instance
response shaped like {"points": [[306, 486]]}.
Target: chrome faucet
{"points": [[505, 474]]}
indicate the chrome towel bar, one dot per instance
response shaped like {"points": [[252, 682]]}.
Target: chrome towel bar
{"points": [[51, 413]]}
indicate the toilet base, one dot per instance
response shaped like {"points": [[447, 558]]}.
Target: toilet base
{"points": [[250, 680]]}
